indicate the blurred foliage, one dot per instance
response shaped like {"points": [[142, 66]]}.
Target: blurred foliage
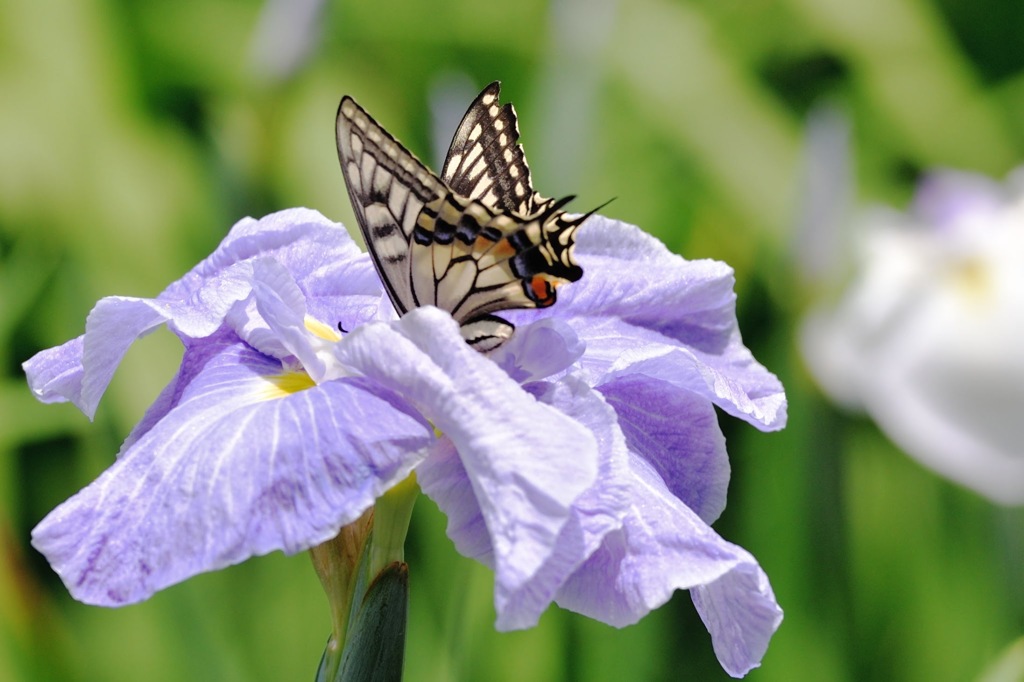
{"points": [[133, 134]]}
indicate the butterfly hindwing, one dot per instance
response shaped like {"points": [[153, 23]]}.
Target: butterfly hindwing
{"points": [[466, 243]]}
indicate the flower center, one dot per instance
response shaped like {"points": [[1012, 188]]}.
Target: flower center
{"points": [[972, 278]]}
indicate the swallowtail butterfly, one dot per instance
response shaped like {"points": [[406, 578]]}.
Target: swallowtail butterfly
{"points": [[477, 239]]}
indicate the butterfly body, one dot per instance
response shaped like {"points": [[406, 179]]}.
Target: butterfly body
{"points": [[477, 239]]}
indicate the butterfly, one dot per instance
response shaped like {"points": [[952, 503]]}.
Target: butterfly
{"points": [[473, 241]]}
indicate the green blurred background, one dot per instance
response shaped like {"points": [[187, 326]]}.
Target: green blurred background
{"points": [[133, 134]]}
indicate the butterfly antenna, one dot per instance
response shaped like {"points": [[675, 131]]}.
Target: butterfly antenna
{"points": [[579, 221]]}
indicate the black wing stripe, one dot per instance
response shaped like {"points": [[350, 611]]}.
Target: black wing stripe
{"points": [[486, 332]]}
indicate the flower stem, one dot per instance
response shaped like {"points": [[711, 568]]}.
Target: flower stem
{"points": [[366, 580], [391, 525], [337, 564]]}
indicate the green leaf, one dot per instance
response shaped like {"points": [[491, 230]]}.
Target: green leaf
{"points": [[375, 647]]}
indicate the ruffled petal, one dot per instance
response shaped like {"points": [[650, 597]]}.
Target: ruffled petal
{"points": [[740, 612], [598, 511], [55, 374], [539, 350], [641, 303], [337, 279], [663, 546], [677, 433], [242, 463], [276, 323], [80, 370], [444, 479], [636, 279], [732, 380], [334, 276], [318, 253], [111, 328], [527, 462]]}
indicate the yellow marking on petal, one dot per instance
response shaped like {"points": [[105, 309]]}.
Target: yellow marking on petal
{"points": [[438, 432], [318, 328], [283, 385]]}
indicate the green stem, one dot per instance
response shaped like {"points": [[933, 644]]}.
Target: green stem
{"points": [[391, 524], [365, 577], [337, 565]]}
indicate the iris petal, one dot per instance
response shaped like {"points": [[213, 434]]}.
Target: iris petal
{"points": [[663, 546], [677, 433], [526, 461], [598, 511], [227, 473]]}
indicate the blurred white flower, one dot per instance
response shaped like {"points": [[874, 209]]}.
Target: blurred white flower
{"points": [[928, 338]]}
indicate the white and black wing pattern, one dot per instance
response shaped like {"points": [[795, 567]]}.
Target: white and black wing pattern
{"points": [[434, 245], [388, 188], [485, 160]]}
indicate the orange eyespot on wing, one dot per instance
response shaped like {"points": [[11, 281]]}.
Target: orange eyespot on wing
{"points": [[542, 291]]}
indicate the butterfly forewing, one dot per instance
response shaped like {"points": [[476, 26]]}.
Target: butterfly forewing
{"points": [[485, 160], [477, 242], [389, 189]]}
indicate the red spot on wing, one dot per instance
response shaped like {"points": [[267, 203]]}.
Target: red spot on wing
{"points": [[543, 292]]}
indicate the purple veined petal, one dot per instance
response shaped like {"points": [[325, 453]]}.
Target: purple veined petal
{"points": [[677, 433], [513, 447], [444, 479], [111, 328], [280, 326], [732, 379], [598, 511], [81, 370], [281, 308], [539, 350], [740, 612], [302, 240], [55, 374], [245, 320], [206, 309], [238, 467], [649, 305], [335, 276], [663, 546], [640, 281]]}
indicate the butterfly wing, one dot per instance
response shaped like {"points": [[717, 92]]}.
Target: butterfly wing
{"points": [[485, 160], [434, 245], [388, 188]]}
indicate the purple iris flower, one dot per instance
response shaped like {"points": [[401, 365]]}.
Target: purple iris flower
{"points": [[582, 461]]}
